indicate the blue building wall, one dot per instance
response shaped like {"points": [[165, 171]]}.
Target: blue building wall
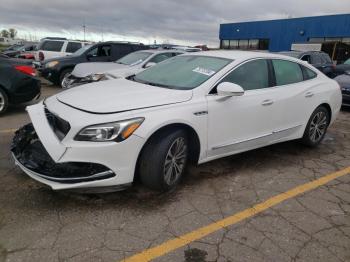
{"points": [[282, 33]]}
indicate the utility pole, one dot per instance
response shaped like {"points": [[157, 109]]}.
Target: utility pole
{"points": [[84, 27]]}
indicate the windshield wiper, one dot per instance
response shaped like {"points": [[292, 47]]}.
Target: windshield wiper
{"points": [[148, 83]]}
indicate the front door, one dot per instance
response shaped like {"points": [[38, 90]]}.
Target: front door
{"points": [[240, 123]]}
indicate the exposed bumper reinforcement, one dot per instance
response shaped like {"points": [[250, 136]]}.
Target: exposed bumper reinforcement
{"points": [[32, 158]]}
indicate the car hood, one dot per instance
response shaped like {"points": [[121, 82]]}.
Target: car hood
{"points": [[85, 69], [120, 95]]}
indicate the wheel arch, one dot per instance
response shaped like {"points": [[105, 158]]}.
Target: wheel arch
{"points": [[193, 137], [329, 109]]}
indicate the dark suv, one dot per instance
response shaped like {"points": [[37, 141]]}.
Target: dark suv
{"points": [[56, 69], [318, 59]]}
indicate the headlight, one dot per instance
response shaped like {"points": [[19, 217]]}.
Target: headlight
{"points": [[51, 64], [94, 78], [115, 131]]}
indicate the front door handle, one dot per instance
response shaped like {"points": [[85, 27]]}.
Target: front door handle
{"points": [[267, 102], [309, 94]]}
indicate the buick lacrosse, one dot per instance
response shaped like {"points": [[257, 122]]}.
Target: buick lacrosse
{"points": [[192, 108]]}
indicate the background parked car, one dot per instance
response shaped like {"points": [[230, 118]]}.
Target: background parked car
{"points": [[52, 47], [18, 83], [17, 50], [344, 82], [320, 60], [130, 64], [342, 68], [56, 69]]}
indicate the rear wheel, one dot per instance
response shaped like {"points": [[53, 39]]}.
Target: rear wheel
{"points": [[64, 74], [3, 101], [164, 159], [316, 127]]}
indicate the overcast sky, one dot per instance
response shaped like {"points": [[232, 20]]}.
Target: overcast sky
{"points": [[183, 22]]}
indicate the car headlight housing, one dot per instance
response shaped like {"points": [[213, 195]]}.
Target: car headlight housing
{"points": [[94, 78], [114, 131], [51, 64]]}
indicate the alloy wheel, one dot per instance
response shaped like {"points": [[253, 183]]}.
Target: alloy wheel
{"points": [[175, 161], [2, 102], [318, 126]]}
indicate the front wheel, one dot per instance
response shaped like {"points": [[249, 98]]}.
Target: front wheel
{"points": [[164, 159], [63, 75], [316, 127]]}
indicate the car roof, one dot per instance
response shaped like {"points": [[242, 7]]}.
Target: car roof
{"points": [[241, 55], [159, 51]]}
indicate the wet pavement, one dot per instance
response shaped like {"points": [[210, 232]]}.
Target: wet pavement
{"points": [[38, 224]]}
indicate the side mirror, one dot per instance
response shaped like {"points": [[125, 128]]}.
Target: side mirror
{"points": [[229, 89], [150, 64]]}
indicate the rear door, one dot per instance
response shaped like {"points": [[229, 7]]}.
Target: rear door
{"points": [[295, 89]]}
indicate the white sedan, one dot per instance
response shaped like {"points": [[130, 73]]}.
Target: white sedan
{"points": [[130, 64], [193, 108]]}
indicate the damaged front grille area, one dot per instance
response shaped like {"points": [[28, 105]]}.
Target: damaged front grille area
{"points": [[29, 152], [59, 126]]}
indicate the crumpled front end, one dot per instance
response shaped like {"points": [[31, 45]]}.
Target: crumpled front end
{"points": [[33, 159]]}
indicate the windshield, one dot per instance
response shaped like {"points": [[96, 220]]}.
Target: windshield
{"points": [[81, 50], [347, 62], [133, 58], [182, 72]]}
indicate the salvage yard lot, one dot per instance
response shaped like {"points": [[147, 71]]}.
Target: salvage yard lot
{"points": [[37, 224]]}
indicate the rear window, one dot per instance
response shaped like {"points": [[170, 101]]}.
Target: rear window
{"points": [[55, 46], [287, 72], [72, 47], [308, 73]]}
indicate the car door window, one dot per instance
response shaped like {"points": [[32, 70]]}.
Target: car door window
{"points": [[100, 51], [315, 59], [54, 46], [287, 72], [72, 47], [306, 58], [308, 73], [251, 75], [123, 49]]}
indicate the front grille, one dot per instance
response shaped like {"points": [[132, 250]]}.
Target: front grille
{"points": [[60, 126]]}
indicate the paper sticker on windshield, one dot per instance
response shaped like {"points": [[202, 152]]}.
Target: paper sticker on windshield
{"points": [[204, 71]]}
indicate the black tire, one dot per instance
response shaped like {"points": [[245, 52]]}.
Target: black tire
{"points": [[309, 138], [4, 101], [152, 165], [63, 74]]}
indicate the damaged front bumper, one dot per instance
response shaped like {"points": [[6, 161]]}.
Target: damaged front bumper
{"points": [[33, 159]]}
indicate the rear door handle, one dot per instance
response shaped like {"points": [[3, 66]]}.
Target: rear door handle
{"points": [[267, 102], [309, 94]]}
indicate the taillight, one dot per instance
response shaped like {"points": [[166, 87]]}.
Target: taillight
{"points": [[41, 56], [28, 70]]}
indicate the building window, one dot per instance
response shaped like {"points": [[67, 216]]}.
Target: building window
{"points": [[225, 44], [234, 44], [254, 44], [243, 44]]}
